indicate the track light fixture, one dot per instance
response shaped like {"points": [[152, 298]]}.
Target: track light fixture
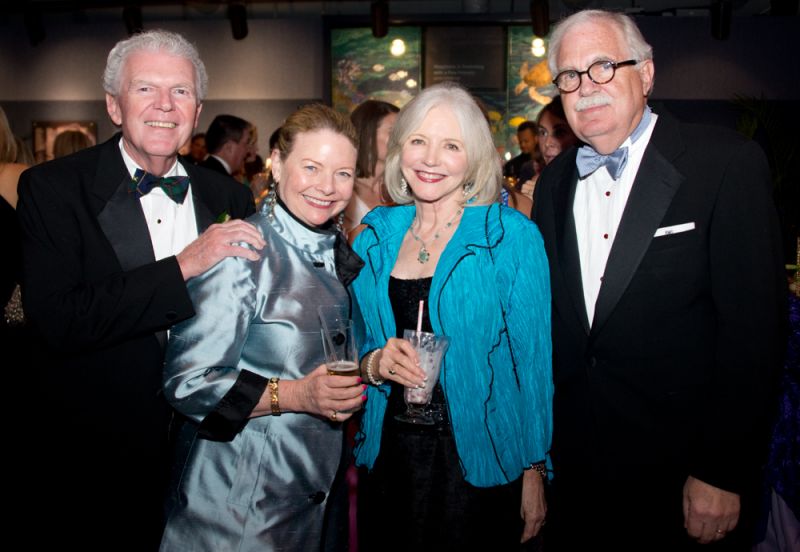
{"points": [[34, 25], [721, 19], [132, 16], [540, 17], [379, 14], [237, 13]]}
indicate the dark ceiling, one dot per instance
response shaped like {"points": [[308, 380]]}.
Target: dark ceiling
{"points": [[399, 10]]}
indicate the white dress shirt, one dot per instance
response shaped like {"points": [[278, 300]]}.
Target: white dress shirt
{"points": [[598, 207], [172, 226]]}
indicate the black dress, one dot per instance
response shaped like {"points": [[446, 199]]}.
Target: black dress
{"points": [[416, 498]]}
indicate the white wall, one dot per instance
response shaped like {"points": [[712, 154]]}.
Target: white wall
{"points": [[261, 78]]}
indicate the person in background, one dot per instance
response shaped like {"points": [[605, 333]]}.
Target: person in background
{"points": [[526, 137], [373, 120], [11, 274], [108, 248], [69, 142], [10, 168], [256, 467], [197, 151], [230, 141], [668, 299], [554, 136], [475, 478]]}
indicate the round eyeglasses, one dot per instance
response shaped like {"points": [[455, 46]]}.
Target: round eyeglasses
{"points": [[599, 72]]}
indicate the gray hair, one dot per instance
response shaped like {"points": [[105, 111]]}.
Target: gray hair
{"points": [[638, 47], [157, 40], [483, 178]]}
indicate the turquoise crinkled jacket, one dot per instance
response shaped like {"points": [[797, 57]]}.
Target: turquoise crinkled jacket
{"points": [[491, 295]]}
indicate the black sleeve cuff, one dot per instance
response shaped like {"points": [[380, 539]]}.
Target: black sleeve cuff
{"points": [[233, 411]]}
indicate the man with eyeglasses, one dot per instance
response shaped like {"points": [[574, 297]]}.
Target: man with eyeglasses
{"points": [[667, 294], [231, 141]]}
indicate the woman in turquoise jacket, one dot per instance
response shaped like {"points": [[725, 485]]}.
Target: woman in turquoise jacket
{"points": [[475, 477]]}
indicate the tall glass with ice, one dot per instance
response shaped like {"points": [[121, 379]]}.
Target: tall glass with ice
{"points": [[430, 349]]}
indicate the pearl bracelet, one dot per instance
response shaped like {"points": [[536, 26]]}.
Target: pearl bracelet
{"points": [[372, 379]]}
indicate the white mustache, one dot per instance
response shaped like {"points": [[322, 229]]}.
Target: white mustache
{"points": [[595, 100]]}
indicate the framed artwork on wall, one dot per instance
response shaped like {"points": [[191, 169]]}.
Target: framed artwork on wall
{"points": [[57, 138], [367, 68]]}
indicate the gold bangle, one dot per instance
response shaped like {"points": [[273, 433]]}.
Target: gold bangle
{"points": [[273, 396]]}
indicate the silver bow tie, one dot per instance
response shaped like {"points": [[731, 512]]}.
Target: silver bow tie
{"points": [[589, 160]]}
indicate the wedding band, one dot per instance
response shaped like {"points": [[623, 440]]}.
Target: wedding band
{"points": [[392, 372], [333, 415]]}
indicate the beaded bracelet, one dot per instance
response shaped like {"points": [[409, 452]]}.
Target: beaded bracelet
{"points": [[539, 468], [372, 379]]}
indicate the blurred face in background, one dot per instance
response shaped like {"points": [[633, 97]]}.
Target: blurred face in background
{"points": [[382, 135], [198, 149], [527, 140], [555, 136]]}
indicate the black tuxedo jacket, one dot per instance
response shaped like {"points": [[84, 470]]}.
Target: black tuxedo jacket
{"points": [[101, 304], [673, 376], [213, 163]]}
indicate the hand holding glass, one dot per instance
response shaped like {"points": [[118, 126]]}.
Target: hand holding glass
{"points": [[430, 350], [338, 341]]}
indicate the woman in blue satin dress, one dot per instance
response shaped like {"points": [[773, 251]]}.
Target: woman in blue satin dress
{"points": [[256, 461]]}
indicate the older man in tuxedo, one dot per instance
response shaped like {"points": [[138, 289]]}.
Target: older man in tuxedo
{"points": [[667, 294], [110, 236]]}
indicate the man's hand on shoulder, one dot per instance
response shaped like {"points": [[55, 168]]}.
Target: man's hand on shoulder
{"points": [[216, 243], [709, 512]]}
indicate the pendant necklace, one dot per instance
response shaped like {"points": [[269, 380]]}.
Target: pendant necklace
{"points": [[424, 255]]}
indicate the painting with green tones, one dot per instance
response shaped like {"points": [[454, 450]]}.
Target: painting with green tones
{"points": [[365, 68], [530, 85]]}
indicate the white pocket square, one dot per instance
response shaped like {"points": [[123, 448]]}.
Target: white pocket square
{"points": [[677, 229]]}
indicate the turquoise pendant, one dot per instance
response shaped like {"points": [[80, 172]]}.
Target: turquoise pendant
{"points": [[423, 255]]}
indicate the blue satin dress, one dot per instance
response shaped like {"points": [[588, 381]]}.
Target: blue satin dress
{"points": [[263, 483]]}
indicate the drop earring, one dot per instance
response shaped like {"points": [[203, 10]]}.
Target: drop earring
{"points": [[271, 199]]}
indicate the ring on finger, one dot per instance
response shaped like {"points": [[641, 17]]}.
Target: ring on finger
{"points": [[392, 371], [333, 415]]}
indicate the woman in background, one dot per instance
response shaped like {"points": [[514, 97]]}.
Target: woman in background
{"points": [[373, 120], [555, 136], [10, 169], [69, 142], [475, 478]]}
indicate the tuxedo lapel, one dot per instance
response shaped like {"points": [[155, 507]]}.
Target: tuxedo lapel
{"points": [[201, 199], [567, 244], [120, 215], [653, 189]]}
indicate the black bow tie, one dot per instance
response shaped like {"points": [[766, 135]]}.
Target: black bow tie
{"points": [[174, 186]]}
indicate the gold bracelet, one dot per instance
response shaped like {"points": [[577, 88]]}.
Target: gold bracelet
{"points": [[273, 396], [372, 379]]}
